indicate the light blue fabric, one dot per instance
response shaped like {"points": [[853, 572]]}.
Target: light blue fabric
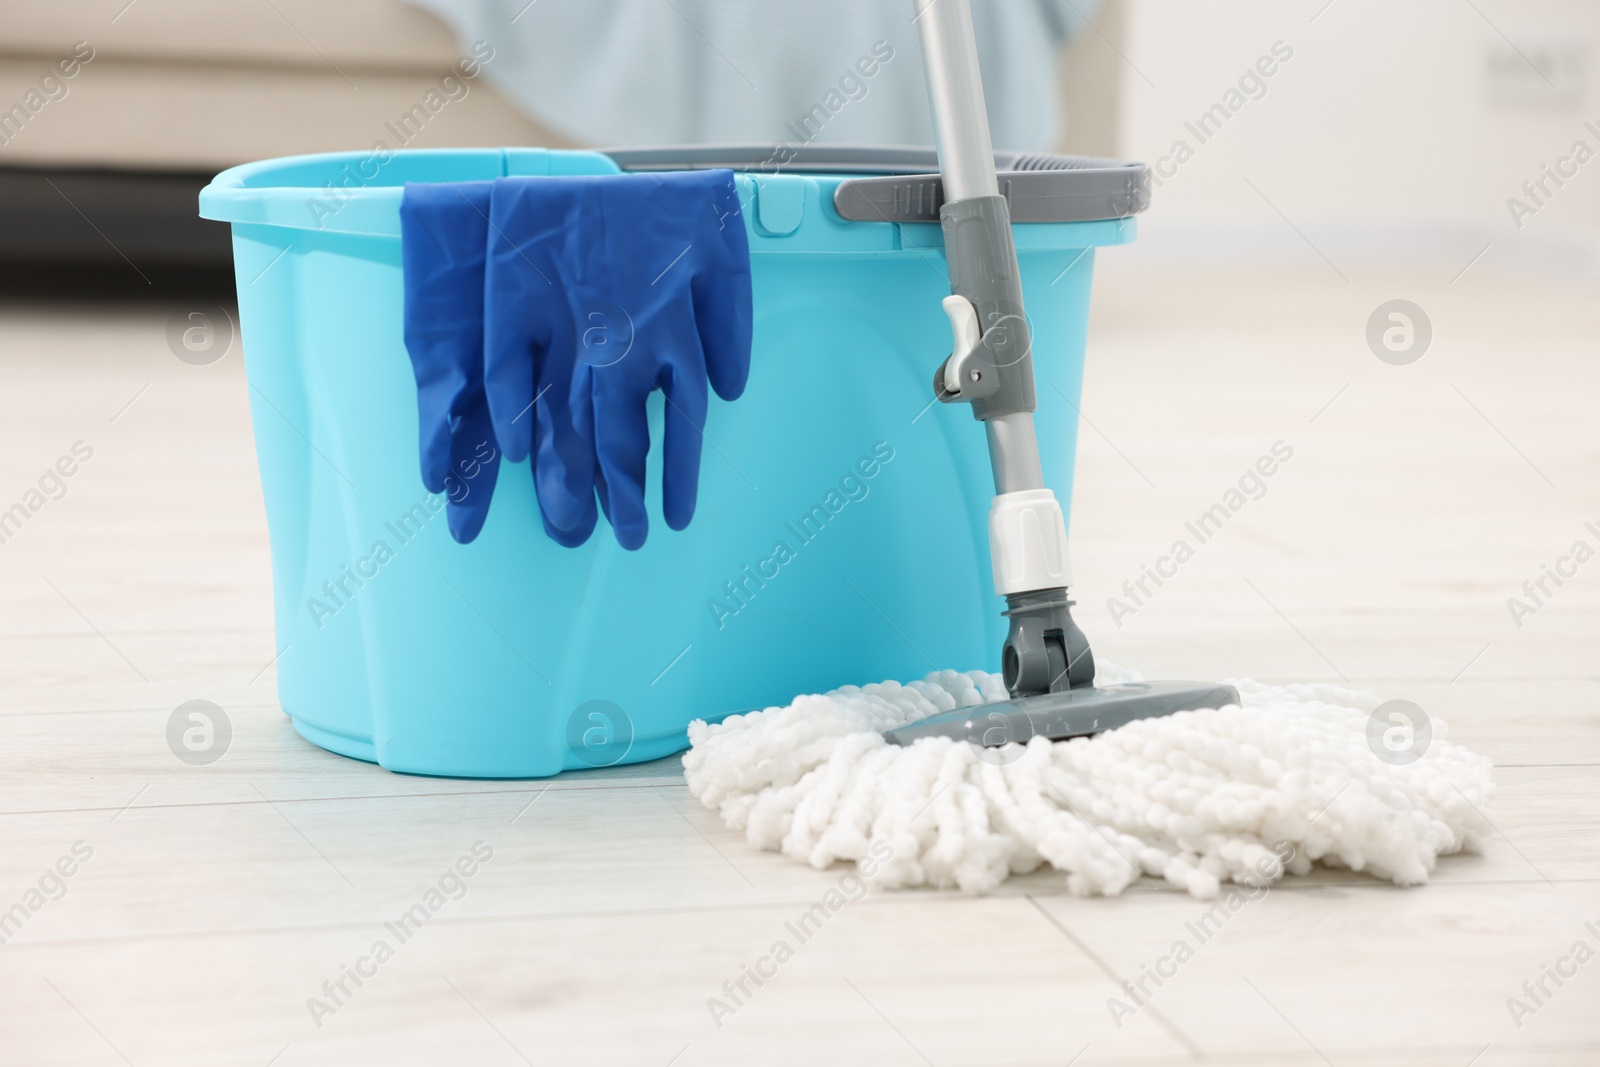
{"points": [[638, 72]]}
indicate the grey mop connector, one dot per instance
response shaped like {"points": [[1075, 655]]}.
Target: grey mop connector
{"points": [[1046, 662], [1045, 652]]}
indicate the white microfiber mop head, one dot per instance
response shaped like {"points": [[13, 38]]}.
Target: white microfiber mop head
{"points": [[1199, 798]]}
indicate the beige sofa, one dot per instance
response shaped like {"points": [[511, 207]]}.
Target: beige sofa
{"points": [[204, 84]]}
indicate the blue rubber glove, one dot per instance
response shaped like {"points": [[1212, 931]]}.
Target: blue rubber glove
{"points": [[530, 348], [444, 229], [617, 286]]}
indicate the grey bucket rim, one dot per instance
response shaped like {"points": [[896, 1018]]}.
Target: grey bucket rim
{"points": [[902, 184]]}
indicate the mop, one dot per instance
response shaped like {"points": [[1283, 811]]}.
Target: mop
{"points": [[969, 778], [1245, 793]]}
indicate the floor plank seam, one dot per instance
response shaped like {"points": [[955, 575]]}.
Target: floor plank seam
{"points": [[629, 783]]}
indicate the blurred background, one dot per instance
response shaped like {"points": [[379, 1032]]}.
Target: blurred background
{"points": [[1388, 134]]}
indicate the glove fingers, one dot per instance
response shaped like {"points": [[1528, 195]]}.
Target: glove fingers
{"points": [[449, 406], [622, 441], [578, 533], [517, 312], [434, 401], [474, 468], [722, 313], [564, 464], [722, 303], [443, 232], [508, 357], [681, 445]]}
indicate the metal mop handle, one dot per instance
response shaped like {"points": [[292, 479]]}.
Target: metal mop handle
{"points": [[983, 260], [991, 366], [955, 91]]}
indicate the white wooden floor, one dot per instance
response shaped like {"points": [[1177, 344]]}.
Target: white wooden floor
{"points": [[218, 899]]}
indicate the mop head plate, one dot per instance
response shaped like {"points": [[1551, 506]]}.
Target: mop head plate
{"points": [[1241, 794]]}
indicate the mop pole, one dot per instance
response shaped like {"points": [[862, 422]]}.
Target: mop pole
{"points": [[991, 366]]}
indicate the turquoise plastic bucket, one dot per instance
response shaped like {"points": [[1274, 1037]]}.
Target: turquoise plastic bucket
{"points": [[841, 533]]}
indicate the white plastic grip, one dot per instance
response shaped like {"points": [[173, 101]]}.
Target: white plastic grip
{"points": [[1028, 542], [964, 330]]}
